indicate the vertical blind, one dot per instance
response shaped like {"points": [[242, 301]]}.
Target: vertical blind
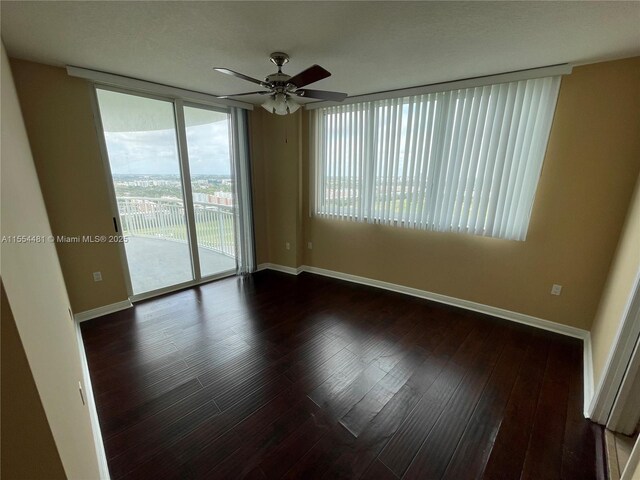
{"points": [[464, 160], [241, 165]]}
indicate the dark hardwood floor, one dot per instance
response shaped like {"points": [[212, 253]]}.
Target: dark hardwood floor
{"points": [[278, 376]]}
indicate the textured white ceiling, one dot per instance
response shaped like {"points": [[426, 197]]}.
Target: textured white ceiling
{"points": [[368, 46]]}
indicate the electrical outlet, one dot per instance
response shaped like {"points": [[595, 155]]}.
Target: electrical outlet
{"points": [[556, 289], [97, 276], [287, 245], [310, 246]]}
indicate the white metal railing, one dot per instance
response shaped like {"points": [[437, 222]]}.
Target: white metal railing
{"points": [[165, 218]]}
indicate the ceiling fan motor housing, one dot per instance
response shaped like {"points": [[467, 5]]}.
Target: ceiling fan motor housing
{"points": [[278, 81]]}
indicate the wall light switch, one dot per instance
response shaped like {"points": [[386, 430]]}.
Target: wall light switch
{"points": [[310, 246], [287, 245], [556, 289], [97, 276]]}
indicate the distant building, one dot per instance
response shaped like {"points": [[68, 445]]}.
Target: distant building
{"points": [[217, 198]]}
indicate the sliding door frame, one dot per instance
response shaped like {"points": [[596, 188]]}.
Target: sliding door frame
{"points": [[183, 159], [609, 394], [185, 175], [113, 203], [185, 103]]}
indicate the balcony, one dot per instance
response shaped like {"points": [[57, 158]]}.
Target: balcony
{"points": [[157, 243]]}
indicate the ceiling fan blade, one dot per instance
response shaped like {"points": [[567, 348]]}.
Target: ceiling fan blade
{"points": [[240, 75], [321, 94], [310, 75], [261, 92]]}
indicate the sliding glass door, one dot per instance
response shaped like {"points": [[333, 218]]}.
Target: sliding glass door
{"points": [[212, 187], [171, 170]]}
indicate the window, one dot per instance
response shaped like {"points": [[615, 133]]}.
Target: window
{"points": [[465, 160]]}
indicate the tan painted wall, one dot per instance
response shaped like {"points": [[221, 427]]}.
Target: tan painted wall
{"points": [[35, 289], [28, 449], [58, 115], [276, 150], [259, 187], [591, 164], [618, 289], [59, 119], [589, 173]]}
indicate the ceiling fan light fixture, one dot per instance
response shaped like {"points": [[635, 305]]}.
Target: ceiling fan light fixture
{"points": [[292, 106], [280, 104], [270, 104]]}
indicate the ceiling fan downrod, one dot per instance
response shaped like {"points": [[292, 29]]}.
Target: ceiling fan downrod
{"points": [[279, 59]]}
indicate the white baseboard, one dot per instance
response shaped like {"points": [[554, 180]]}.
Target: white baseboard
{"points": [[279, 268], [100, 311], [456, 302], [91, 405], [587, 368], [536, 322]]}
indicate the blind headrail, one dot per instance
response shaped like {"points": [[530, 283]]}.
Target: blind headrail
{"points": [[549, 71], [105, 78]]}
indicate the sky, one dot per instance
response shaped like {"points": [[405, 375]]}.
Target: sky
{"points": [[155, 151]]}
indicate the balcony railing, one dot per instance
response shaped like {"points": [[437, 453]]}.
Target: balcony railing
{"points": [[165, 218]]}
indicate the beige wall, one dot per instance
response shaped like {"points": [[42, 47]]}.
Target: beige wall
{"points": [[35, 289], [590, 168], [59, 119], [258, 179], [276, 157], [28, 449], [58, 115], [589, 172], [618, 289]]}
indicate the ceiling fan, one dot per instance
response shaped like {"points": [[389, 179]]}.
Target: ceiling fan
{"points": [[281, 88]]}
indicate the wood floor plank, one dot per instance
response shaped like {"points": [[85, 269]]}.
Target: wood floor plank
{"points": [[341, 400], [378, 471], [260, 443], [334, 385], [321, 455], [472, 451], [110, 372], [196, 446], [140, 448], [363, 411], [579, 449], [333, 380], [435, 452], [406, 443], [134, 383], [163, 467], [203, 449], [278, 461], [250, 437], [512, 440], [120, 420], [544, 453], [356, 457]]}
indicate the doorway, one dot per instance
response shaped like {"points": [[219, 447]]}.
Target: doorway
{"points": [[173, 183]]}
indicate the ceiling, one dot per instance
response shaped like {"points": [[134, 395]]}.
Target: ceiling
{"points": [[368, 46]]}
